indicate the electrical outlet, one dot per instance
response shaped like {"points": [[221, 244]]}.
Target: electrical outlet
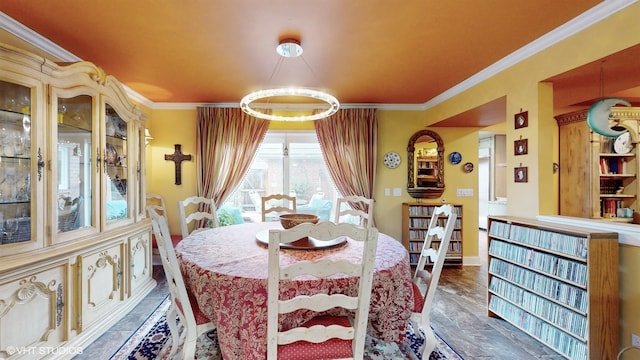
{"points": [[635, 340]]}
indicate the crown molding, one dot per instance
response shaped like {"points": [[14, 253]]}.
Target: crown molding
{"points": [[33, 38], [570, 28], [577, 24]]}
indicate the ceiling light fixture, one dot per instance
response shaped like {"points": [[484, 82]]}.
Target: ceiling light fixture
{"points": [[256, 103]]}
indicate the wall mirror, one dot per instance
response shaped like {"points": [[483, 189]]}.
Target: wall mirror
{"points": [[425, 165]]}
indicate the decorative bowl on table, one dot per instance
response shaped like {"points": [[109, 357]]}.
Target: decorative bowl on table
{"points": [[290, 220]]}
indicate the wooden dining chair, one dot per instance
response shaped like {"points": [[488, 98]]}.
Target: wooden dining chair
{"points": [[157, 203], [324, 336], [359, 207], [183, 305], [285, 204], [425, 282], [202, 213]]}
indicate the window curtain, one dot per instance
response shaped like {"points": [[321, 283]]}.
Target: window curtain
{"points": [[227, 140], [348, 140]]}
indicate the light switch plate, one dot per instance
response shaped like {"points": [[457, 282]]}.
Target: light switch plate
{"points": [[464, 192], [397, 191]]}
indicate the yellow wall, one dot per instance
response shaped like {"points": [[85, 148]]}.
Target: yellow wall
{"points": [[170, 127], [392, 137], [524, 91]]}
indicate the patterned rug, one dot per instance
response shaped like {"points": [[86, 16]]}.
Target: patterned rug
{"points": [[153, 341]]}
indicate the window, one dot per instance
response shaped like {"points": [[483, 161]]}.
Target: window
{"points": [[287, 163]]}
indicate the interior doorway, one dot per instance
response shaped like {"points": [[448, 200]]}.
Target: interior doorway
{"points": [[492, 179], [484, 174]]}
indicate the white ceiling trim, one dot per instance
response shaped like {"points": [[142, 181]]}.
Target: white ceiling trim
{"points": [[31, 37], [577, 24]]}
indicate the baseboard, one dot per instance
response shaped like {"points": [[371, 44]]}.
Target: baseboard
{"points": [[471, 261]]}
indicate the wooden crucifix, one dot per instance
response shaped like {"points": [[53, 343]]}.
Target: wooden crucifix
{"points": [[178, 157]]}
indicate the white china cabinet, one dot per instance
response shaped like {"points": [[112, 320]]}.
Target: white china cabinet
{"points": [[75, 250]]}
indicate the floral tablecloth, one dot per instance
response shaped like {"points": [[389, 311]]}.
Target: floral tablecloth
{"points": [[226, 269]]}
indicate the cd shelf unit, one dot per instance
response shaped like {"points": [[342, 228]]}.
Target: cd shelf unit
{"points": [[415, 224], [558, 284]]}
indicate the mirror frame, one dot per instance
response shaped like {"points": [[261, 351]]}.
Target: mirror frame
{"points": [[425, 192]]}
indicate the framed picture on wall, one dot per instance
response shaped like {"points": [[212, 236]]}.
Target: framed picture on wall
{"points": [[520, 147], [520, 174], [521, 119]]}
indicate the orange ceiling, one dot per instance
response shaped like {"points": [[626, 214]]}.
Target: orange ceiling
{"points": [[363, 52]]}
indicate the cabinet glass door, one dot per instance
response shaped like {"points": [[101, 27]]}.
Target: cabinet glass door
{"points": [[15, 163], [74, 163], [116, 161]]}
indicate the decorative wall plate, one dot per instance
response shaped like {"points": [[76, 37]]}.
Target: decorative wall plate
{"points": [[392, 160], [455, 158], [622, 144], [110, 154], [467, 167]]}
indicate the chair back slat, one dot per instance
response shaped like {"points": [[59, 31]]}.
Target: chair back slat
{"points": [[277, 204], [318, 303], [156, 202], [355, 206], [317, 333], [321, 268], [197, 213]]}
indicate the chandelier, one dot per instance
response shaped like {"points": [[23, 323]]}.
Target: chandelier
{"points": [[257, 102]]}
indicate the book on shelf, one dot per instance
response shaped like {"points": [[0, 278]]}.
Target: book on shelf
{"points": [[613, 166]]}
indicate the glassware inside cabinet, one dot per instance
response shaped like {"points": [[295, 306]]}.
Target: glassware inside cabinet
{"points": [[15, 200], [75, 170], [116, 164], [15, 163]]}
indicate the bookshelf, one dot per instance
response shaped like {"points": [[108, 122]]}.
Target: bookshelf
{"points": [[415, 224], [595, 180], [558, 284], [617, 178]]}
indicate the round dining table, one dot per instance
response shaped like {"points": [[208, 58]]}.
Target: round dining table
{"points": [[226, 270]]}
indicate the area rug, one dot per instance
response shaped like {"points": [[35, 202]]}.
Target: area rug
{"points": [[152, 340]]}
